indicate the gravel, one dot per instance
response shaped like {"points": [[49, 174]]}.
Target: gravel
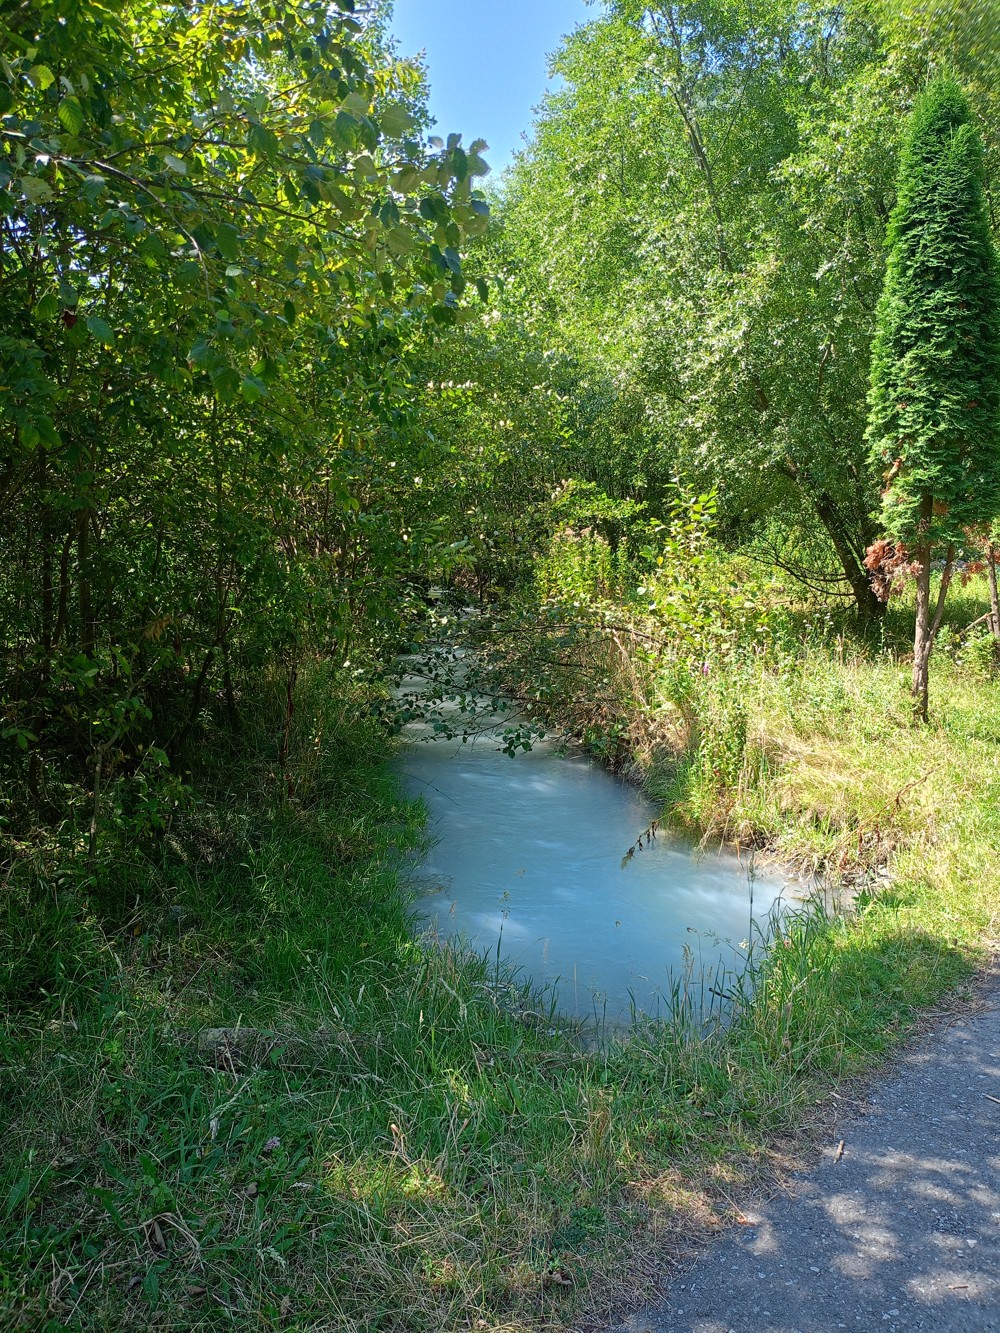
{"points": [[896, 1230]]}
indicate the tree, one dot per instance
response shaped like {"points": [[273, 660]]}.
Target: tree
{"points": [[703, 210], [221, 235], [934, 426], [662, 201]]}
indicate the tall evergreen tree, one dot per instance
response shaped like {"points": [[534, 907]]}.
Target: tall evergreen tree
{"points": [[934, 425]]}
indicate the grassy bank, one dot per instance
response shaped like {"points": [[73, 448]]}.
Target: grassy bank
{"points": [[382, 1136], [763, 722]]}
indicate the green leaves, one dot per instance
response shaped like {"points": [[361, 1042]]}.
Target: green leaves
{"points": [[433, 208], [935, 390], [101, 330], [71, 115], [262, 141], [702, 215], [47, 307], [253, 389], [401, 242], [36, 189], [395, 121], [227, 239], [407, 180], [225, 244], [40, 77]]}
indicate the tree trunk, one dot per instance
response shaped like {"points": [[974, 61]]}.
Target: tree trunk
{"points": [[232, 712], [48, 594], [88, 628], [196, 695], [286, 733], [44, 684], [925, 629], [95, 810], [921, 634], [991, 565], [868, 605]]}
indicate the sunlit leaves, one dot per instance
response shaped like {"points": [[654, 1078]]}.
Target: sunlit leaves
{"points": [[703, 212], [36, 189], [395, 121], [407, 179], [312, 170], [221, 237], [401, 242], [40, 77], [262, 142], [71, 115]]}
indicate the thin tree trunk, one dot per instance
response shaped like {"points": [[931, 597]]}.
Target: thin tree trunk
{"points": [[95, 811], [286, 733], [991, 565], [686, 109], [868, 605], [849, 553], [925, 629], [232, 711], [196, 694], [45, 527], [921, 633], [88, 629], [946, 573], [45, 531], [222, 620]]}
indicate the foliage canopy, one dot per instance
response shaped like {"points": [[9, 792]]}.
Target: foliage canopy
{"points": [[935, 393]]}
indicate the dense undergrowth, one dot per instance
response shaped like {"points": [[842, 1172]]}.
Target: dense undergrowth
{"points": [[384, 1136], [270, 381], [765, 722]]}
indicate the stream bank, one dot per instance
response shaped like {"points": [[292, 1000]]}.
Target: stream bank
{"points": [[420, 1157], [546, 862]]}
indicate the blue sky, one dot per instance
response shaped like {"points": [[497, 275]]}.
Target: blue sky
{"points": [[487, 62]]}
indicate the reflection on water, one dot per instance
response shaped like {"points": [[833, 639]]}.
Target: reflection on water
{"points": [[528, 857]]}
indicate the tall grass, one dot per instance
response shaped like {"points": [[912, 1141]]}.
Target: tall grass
{"points": [[251, 1098]]}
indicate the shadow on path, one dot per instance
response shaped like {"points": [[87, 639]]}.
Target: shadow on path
{"points": [[901, 1232]]}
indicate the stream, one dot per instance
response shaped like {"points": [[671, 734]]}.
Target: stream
{"points": [[527, 866]]}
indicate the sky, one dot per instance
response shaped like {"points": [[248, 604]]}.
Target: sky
{"points": [[487, 62]]}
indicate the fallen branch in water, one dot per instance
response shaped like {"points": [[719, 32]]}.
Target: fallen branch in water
{"points": [[649, 834]]}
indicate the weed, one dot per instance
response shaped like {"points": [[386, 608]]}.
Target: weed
{"points": [[249, 1096]]}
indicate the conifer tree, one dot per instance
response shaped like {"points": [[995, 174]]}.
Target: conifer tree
{"points": [[934, 424]]}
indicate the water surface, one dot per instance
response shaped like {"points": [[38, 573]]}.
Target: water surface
{"points": [[527, 859]]}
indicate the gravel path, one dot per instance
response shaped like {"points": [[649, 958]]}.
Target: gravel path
{"points": [[899, 1231]]}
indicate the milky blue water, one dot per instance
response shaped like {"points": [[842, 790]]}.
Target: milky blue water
{"points": [[528, 857]]}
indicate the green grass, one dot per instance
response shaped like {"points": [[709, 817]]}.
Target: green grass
{"points": [[831, 775], [388, 1140]]}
